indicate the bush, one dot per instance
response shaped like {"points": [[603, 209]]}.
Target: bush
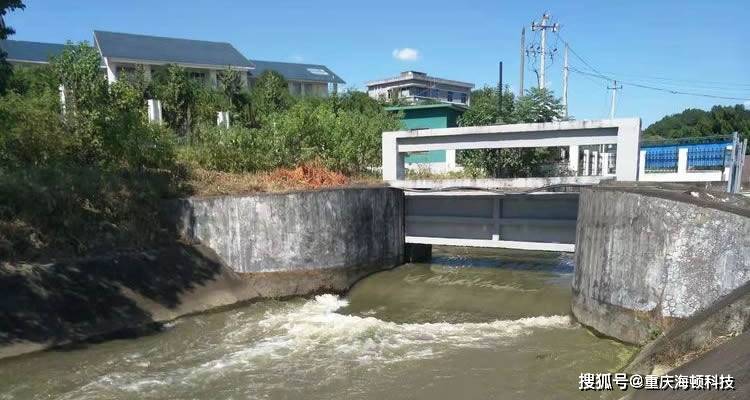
{"points": [[236, 149], [336, 132], [31, 133]]}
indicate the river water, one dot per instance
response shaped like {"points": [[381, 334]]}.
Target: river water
{"points": [[473, 324]]}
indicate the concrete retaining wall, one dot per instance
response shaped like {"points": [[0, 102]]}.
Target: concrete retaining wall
{"points": [[270, 245], [299, 231], [645, 261]]}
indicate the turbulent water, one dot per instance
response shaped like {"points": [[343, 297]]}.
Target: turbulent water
{"points": [[473, 324]]}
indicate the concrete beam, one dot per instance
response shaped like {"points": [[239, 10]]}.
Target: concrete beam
{"points": [[498, 244], [625, 133]]}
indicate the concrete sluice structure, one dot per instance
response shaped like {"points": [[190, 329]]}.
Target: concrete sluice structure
{"points": [[647, 257], [538, 221]]}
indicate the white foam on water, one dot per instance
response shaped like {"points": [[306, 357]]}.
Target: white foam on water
{"points": [[309, 340], [314, 331]]}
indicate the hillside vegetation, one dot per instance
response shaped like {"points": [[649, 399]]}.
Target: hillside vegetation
{"points": [[89, 176], [720, 120]]}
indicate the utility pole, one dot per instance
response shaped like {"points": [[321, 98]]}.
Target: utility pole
{"points": [[523, 60], [614, 98], [543, 26], [565, 82], [500, 90]]}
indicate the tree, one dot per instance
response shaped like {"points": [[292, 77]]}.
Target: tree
{"points": [[270, 94], [178, 93], [538, 105], [484, 108], [721, 120], [5, 68], [230, 83]]}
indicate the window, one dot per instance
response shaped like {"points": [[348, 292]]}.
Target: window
{"points": [[450, 96], [125, 69], [295, 88], [463, 98], [199, 76]]}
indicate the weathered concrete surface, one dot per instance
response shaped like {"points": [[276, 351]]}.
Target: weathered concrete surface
{"points": [[731, 358], [42, 306], [644, 261], [726, 318], [299, 231]]}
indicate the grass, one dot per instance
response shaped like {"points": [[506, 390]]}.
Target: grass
{"points": [[307, 176], [425, 173]]}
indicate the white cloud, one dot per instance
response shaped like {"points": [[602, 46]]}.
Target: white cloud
{"points": [[406, 54], [297, 58], [747, 104]]}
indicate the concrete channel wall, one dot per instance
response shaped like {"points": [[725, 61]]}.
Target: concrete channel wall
{"points": [[646, 259], [299, 231], [256, 246]]}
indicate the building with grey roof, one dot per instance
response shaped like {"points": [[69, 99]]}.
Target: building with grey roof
{"points": [[414, 86], [303, 79], [203, 59], [24, 52]]}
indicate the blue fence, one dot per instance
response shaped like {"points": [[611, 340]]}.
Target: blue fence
{"points": [[701, 156], [661, 158], [707, 156]]}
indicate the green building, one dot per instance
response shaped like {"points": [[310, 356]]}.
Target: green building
{"points": [[428, 116]]}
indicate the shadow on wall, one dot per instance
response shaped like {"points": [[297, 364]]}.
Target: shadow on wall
{"points": [[69, 301]]}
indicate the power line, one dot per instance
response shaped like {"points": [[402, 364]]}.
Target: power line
{"points": [[677, 86], [661, 89], [599, 74], [578, 56], [693, 81]]}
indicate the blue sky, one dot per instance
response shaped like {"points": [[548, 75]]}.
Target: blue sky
{"points": [[702, 46]]}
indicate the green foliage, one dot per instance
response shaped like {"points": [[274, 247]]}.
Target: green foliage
{"points": [[87, 180], [538, 105], [207, 103], [178, 94], [5, 7], [484, 108], [237, 149], [102, 126], [344, 132], [230, 82], [269, 95], [721, 120], [34, 80], [5, 68], [91, 174], [31, 132]]}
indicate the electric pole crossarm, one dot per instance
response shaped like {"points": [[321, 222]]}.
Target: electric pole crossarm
{"points": [[614, 89], [543, 27]]}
